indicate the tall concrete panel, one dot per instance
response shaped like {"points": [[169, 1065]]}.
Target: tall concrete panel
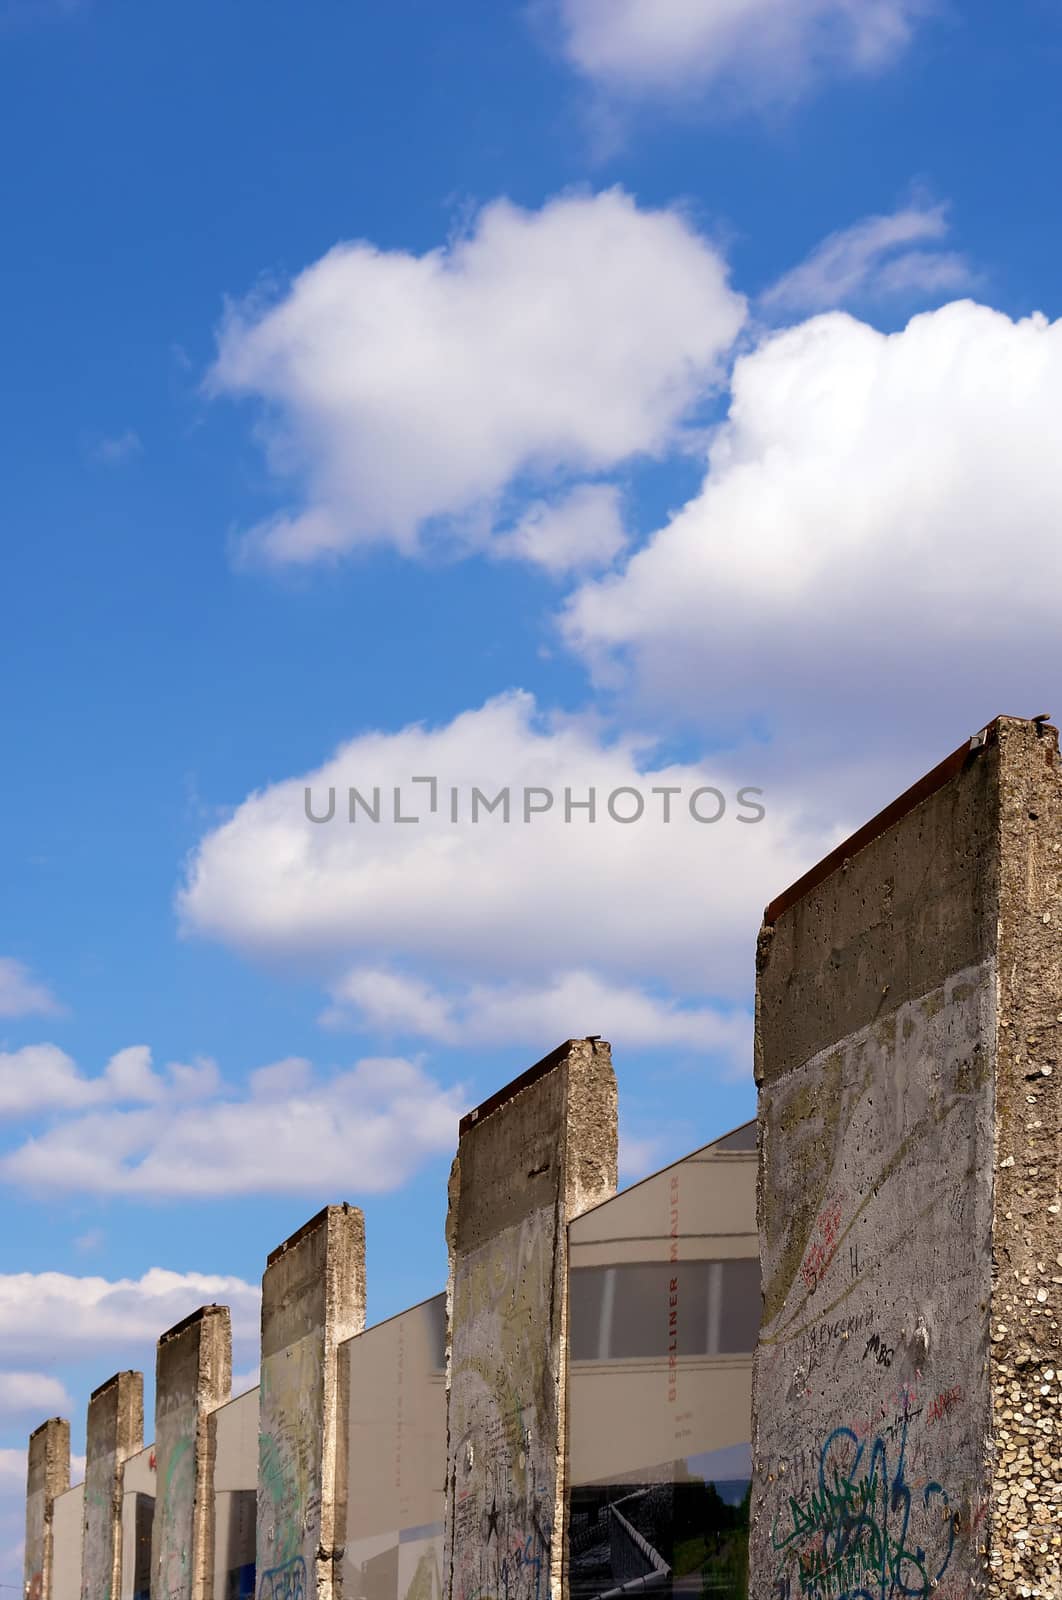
{"points": [[529, 1160], [909, 1036], [47, 1477], [313, 1298], [115, 1432], [193, 1376]]}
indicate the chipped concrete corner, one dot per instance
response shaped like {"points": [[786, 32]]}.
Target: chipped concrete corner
{"points": [[47, 1477], [115, 1432], [313, 1298], [1026, 1353], [193, 1376], [529, 1161], [905, 1393]]}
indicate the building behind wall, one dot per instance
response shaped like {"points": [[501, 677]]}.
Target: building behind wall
{"points": [[665, 1307]]}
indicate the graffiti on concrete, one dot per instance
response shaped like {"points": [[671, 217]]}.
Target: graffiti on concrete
{"points": [[289, 1481], [502, 1469], [287, 1582], [862, 1531], [176, 1498], [869, 1470]]}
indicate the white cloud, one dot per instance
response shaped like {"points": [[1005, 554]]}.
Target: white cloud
{"points": [[56, 1316], [581, 531], [675, 905], [287, 1133], [768, 49], [568, 1006], [35, 1394], [875, 257], [41, 1077], [874, 556], [129, 1075], [391, 1002], [408, 393], [21, 994]]}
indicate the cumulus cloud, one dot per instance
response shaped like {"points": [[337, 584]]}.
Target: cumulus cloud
{"points": [[874, 554], [35, 1394], [768, 49], [287, 1132], [56, 1316], [41, 1077], [406, 394], [672, 904], [581, 531], [883, 256], [23, 995], [569, 1006]]}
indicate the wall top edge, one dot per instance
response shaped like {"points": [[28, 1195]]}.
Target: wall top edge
{"points": [[893, 813], [524, 1081], [48, 1423], [319, 1221], [116, 1379], [199, 1315]]}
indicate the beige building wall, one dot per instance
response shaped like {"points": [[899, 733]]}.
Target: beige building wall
{"points": [[235, 1431], [394, 1377], [67, 1526], [138, 1504]]}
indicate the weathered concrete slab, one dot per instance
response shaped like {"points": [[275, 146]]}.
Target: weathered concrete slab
{"points": [[906, 1006], [115, 1432], [193, 1376], [313, 1298], [529, 1161], [47, 1477]]}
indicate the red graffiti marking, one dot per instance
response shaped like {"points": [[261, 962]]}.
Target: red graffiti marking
{"points": [[821, 1252], [943, 1404]]}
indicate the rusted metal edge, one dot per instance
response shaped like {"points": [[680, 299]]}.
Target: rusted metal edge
{"points": [[929, 785], [511, 1090]]}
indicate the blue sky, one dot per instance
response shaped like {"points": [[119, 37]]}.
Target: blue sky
{"points": [[593, 394]]}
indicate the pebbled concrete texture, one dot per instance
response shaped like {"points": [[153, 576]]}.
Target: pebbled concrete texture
{"points": [[47, 1477], [193, 1375], [313, 1298], [115, 1432], [527, 1164], [1026, 1352], [909, 1008]]}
